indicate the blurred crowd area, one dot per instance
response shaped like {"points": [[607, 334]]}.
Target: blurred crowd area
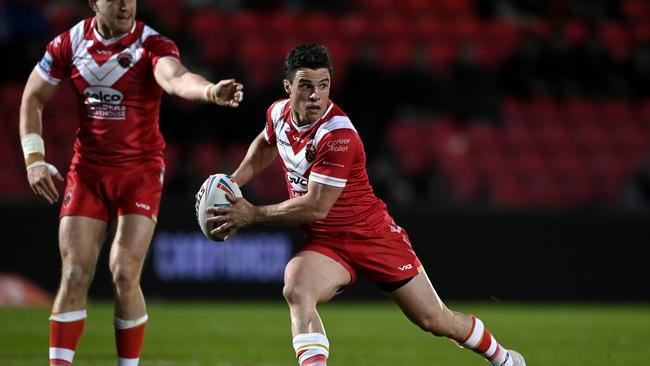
{"points": [[472, 103]]}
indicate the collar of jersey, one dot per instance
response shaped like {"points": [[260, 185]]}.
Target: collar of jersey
{"points": [[307, 127], [105, 41]]}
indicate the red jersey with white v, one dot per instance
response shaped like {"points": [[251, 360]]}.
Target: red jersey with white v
{"points": [[117, 94], [330, 152]]}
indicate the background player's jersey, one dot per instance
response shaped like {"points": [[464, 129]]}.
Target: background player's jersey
{"points": [[330, 152], [118, 96]]}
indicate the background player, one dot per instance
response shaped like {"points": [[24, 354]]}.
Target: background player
{"points": [[119, 68], [348, 229]]}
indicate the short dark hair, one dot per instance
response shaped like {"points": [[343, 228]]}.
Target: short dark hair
{"points": [[310, 56]]}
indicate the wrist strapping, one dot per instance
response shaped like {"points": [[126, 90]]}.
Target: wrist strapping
{"points": [[208, 94], [32, 143], [53, 170]]}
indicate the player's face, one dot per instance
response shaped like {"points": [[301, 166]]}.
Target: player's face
{"points": [[114, 17], [309, 92]]}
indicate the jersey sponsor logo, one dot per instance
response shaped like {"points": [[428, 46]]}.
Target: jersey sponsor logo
{"points": [[98, 95], [296, 179], [405, 267], [46, 62], [298, 139], [282, 142], [105, 52], [340, 145]]}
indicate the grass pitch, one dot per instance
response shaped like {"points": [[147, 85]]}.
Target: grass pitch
{"points": [[361, 334]]}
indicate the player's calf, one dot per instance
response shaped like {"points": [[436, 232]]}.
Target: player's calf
{"points": [[65, 331]]}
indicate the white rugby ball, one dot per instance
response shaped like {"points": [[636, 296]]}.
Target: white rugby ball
{"points": [[213, 194]]}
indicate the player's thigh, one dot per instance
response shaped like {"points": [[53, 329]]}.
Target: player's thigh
{"points": [[80, 240], [419, 300], [315, 276], [131, 241]]}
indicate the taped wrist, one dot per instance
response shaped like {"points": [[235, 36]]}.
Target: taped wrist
{"points": [[209, 97], [33, 148]]}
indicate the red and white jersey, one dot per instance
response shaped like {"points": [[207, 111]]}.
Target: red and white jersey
{"points": [[329, 151], [117, 94]]}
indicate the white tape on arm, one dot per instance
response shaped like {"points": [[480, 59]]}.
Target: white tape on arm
{"points": [[32, 143]]}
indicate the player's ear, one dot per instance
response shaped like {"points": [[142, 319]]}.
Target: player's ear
{"points": [[286, 84], [93, 4]]}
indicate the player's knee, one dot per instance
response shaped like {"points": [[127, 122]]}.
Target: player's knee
{"points": [[76, 277], [124, 279], [295, 294], [433, 324]]}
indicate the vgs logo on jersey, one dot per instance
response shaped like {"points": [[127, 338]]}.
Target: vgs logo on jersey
{"points": [[104, 103]]}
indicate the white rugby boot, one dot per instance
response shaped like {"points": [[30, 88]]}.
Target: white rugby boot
{"points": [[517, 358]]}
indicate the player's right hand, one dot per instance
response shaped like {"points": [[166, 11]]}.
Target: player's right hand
{"points": [[39, 175]]}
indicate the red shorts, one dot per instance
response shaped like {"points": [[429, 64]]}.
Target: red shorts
{"points": [[386, 258], [105, 193]]}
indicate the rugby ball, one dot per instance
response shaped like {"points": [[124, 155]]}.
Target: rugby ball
{"points": [[213, 194]]}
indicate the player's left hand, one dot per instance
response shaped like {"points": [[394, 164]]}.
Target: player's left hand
{"points": [[227, 93], [240, 214]]}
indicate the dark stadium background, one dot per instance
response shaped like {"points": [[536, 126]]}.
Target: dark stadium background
{"points": [[510, 138]]}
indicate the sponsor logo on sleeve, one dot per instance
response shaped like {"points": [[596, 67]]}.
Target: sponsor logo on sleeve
{"points": [[338, 165], [46, 62], [340, 145]]}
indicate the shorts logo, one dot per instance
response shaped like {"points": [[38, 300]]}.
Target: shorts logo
{"points": [[405, 267], [143, 206], [68, 197]]}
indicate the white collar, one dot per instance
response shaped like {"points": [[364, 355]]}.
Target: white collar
{"points": [[108, 41]]}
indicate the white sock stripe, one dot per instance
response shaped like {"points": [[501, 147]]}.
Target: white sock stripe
{"points": [[61, 354], [71, 316], [127, 361], [305, 339], [475, 337], [493, 348], [311, 353], [126, 324]]}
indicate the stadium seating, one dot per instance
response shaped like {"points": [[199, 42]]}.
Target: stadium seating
{"points": [[544, 148]]}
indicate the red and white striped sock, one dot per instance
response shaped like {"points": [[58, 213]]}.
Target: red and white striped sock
{"points": [[312, 349], [65, 331], [129, 335], [481, 341]]}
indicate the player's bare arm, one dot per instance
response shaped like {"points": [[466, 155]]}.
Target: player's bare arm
{"points": [[314, 205], [258, 157], [39, 173], [177, 80]]}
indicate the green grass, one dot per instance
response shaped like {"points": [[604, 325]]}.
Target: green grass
{"points": [[248, 333]]}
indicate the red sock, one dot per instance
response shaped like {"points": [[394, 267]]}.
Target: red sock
{"points": [[317, 360], [129, 336], [65, 331]]}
